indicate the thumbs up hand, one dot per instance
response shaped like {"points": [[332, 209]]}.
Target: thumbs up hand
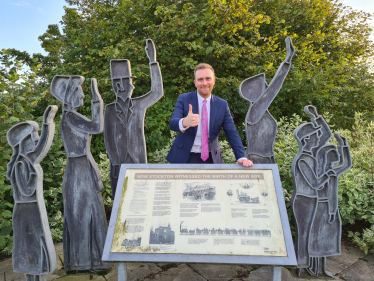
{"points": [[191, 120]]}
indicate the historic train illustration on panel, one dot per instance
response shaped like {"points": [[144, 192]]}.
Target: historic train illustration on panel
{"points": [[224, 231]]}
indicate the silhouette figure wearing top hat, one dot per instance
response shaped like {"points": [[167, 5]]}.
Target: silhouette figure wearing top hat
{"points": [[124, 118]]}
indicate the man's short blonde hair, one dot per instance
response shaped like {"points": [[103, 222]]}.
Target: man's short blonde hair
{"points": [[203, 66]]}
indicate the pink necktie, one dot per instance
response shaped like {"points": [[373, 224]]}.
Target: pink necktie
{"points": [[204, 133]]}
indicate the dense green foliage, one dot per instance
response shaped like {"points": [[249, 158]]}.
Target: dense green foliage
{"points": [[357, 185], [239, 38]]}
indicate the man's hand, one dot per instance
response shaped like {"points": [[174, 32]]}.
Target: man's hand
{"points": [[191, 120], [245, 162]]}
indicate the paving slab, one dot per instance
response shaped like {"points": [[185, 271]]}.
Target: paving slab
{"points": [[6, 271], [264, 273], [5, 266], [349, 256], [351, 265], [59, 272], [12, 276], [222, 272], [361, 270], [182, 272], [138, 271]]}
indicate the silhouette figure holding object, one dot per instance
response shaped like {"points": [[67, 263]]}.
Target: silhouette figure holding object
{"points": [[315, 172]]}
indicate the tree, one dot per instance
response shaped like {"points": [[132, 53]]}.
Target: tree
{"points": [[239, 38]]}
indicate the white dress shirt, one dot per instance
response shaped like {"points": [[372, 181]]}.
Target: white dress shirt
{"points": [[196, 148]]}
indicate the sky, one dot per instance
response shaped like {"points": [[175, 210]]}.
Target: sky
{"points": [[23, 21]]}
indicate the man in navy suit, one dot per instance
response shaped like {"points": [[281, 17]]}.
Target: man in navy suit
{"points": [[187, 147]]}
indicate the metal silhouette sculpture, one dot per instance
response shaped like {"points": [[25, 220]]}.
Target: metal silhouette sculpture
{"points": [[124, 119], [260, 126], [33, 250], [315, 172], [85, 223]]}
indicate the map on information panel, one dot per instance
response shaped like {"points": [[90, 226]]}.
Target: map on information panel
{"points": [[216, 212]]}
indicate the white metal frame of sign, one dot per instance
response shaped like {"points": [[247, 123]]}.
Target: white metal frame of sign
{"points": [[289, 259]]}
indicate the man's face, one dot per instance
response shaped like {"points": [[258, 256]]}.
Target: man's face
{"points": [[123, 87], [204, 82]]}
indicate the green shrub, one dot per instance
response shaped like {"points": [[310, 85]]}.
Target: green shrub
{"points": [[285, 149], [56, 224], [104, 167], [365, 240], [356, 185], [159, 155], [356, 194]]}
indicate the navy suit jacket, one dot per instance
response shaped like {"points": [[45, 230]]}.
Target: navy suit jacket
{"points": [[220, 117]]}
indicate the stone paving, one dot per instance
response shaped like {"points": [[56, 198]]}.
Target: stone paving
{"points": [[352, 265]]}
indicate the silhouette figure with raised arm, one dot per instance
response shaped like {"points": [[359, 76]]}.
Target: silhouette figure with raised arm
{"points": [[124, 119], [33, 249], [260, 126], [85, 223]]}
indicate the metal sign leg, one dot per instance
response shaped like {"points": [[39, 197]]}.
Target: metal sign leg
{"points": [[122, 271], [277, 273]]}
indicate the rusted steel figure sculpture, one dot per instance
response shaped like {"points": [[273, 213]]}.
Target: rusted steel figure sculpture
{"points": [[315, 172], [33, 250], [85, 224], [124, 119], [260, 126]]}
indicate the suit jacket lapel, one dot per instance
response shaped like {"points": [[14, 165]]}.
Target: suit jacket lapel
{"points": [[124, 110], [214, 109], [195, 106], [120, 112]]}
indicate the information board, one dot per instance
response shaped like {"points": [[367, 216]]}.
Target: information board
{"points": [[204, 213]]}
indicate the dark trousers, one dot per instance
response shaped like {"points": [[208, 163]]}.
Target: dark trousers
{"points": [[195, 158]]}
